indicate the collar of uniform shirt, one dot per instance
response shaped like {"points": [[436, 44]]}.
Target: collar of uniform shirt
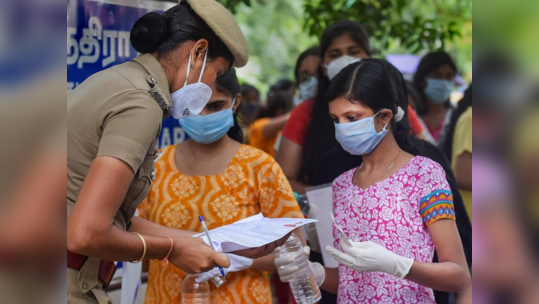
{"points": [[155, 69]]}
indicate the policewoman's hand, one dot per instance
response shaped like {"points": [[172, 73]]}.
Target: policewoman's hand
{"points": [[193, 256], [237, 263]]}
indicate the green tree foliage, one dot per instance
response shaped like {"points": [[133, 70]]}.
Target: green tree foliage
{"points": [[408, 25], [233, 4], [279, 30], [274, 31]]}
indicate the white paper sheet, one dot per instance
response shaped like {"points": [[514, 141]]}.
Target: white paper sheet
{"points": [[322, 198], [252, 232]]}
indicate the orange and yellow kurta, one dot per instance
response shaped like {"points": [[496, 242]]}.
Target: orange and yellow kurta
{"points": [[252, 183]]}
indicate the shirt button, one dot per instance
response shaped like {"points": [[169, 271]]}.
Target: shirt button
{"points": [[151, 80], [85, 285], [152, 176]]}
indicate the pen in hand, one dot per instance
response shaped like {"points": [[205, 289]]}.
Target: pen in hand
{"points": [[201, 218]]}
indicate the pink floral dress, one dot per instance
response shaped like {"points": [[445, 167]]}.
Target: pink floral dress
{"points": [[394, 213]]}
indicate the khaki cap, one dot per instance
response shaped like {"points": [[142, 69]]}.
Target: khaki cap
{"points": [[221, 21]]}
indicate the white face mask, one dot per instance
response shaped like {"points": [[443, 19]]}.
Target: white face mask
{"points": [[337, 65], [308, 89], [191, 99]]}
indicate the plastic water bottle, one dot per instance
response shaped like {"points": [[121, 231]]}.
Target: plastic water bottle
{"points": [[218, 281], [193, 292], [303, 285]]}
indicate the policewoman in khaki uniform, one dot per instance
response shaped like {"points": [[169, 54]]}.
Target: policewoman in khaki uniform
{"points": [[114, 120]]}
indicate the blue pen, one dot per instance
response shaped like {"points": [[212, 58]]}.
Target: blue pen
{"points": [[201, 218]]}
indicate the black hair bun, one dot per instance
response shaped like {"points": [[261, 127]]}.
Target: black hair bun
{"points": [[148, 33]]}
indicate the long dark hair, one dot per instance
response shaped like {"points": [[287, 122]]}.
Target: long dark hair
{"points": [[320, 135], [463, 105], [228, 84], [342, 161], [312, 51], [403, 129], [276, 102], [429, 63], [369, 83], [412, 92], [247, 88], [165, 33]]}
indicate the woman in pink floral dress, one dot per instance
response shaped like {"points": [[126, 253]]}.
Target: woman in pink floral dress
{"points": [[395, 213], [393, 210]]}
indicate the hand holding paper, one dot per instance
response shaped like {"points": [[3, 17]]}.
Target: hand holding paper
{"points": [[237, 263], [255, 236]]}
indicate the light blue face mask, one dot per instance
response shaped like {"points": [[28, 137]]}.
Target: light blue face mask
{"points": [[209, 128], [308, 89], [438, 91], [359, 137]]}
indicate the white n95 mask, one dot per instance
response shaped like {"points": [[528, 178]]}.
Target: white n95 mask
{"points": [[337, 65], [191, 99]]}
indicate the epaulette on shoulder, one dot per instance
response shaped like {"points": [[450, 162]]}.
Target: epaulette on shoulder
{"points": [[160, 99]]}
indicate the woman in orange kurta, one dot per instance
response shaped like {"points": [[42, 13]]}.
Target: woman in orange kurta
{"points": [[224, 181]]}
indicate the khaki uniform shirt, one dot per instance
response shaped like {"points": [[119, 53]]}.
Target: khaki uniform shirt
{"points": [[117, 113]]}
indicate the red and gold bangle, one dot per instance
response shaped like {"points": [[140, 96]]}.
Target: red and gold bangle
{"points": [[165, 260]]}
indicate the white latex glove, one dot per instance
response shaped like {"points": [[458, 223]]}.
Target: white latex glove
{"points": [[286, 269], [237, 263], [371, 257]]}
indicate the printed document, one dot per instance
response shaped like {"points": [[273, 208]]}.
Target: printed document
{"points": [[255, 231]]}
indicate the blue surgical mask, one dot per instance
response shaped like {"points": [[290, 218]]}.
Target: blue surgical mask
{"points": [[308, 89], [210, 128], [438, 91], [359, 137]]}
